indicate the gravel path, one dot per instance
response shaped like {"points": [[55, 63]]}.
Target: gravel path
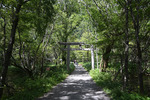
{"points": [[78, 86]]}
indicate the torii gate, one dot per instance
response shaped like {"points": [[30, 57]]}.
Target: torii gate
{"points": [[72, 49]]}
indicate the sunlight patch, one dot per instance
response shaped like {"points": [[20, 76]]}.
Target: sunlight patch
{"points": [[64, 98]]}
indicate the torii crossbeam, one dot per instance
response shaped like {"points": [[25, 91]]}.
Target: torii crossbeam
{"points": [[68, 49]]}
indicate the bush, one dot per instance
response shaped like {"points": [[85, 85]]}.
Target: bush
{"points": [[113, 88], [87, 66], [29, 89]]}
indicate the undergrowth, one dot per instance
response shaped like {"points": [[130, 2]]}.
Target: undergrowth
{"points": [[112, 88], [29, 89]]}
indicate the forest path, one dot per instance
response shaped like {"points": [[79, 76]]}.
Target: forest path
{"points": [[77, 86]]}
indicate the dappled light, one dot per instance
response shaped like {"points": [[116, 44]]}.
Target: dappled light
{"points": [[78, 86], [75, 49]]}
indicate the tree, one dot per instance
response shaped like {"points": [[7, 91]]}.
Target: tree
{"points": [[67, 20], [136, 20], [19, 7], [126, 76], [8, 53]]}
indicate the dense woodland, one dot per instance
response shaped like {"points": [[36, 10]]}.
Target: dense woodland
{"points": [[30, 32]]}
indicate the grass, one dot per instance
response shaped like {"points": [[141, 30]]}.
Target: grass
{"points": [[28, 89], [112, 88]]}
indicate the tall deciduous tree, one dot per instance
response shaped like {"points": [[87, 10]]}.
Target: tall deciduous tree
{"points": [[8, 53], [21, 19], [136, 23], [126, 76], [67, 19]]}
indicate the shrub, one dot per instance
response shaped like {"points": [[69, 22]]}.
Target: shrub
{"points": [[30, 89]]}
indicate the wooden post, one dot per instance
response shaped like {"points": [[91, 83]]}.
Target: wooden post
{"points": [[68, 57], [92, 57]]}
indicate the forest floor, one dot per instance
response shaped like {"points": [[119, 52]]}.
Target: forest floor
{"points": [[77, 86]]}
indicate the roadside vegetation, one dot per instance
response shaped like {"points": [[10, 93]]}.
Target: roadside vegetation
{"points": [[25, 88], [114, 88], [34, 34]]}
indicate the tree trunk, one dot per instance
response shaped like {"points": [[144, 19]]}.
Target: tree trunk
{"points": [[87, 56], [68, 57], [125, 78], [64, 54], [42, 64], [9, 49], [106, 56], [120, 69], [137, 29], [97, 57], [43, 51], [64, 57], [100, 67], [135, 20], [4, 28], [4, 41]]}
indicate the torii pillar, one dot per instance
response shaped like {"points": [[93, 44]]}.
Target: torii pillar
{"points": [[92, 56], [77, 43]]}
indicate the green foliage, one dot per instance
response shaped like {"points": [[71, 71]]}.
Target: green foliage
{"points": [[87, 66], [44, 23], [113, 88], [30, 89], [72, 67]]}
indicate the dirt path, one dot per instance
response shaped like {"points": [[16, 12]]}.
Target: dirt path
{"points": [[78, 86]]}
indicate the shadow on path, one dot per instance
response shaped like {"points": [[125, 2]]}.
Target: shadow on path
{"points": [[78, 86]]}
